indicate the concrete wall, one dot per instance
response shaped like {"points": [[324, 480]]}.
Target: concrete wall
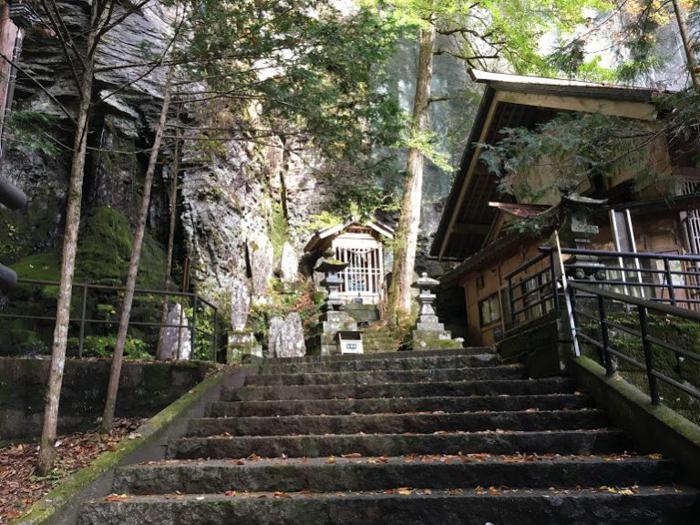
{"points": [[653, 428], [145, 389]]}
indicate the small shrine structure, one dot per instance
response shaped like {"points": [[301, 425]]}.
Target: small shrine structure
{"points": [[360, 246]]}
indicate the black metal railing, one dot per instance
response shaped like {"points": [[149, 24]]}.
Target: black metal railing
{"points": [[532, 289], [204, 336], [665, 278], [637, 311], [637, 326]]}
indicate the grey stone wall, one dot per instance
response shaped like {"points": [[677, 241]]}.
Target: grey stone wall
{"points": [[145, 389]]}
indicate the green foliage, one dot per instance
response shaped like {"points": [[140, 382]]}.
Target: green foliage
{"points": [[322, 220], [491, 29], [576, 149], [426, 143], [103, 347], [299, 68], [570, 60], [589, 148], [203, 345], [679, 332], [27, 128], [281, 302]]}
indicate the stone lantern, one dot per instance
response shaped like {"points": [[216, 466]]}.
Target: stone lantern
{"points": [[332, 281], [430, 333], [428, 319], [324, 339]]}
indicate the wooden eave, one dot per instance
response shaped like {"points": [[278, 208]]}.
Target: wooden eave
{"points": [[512, 101]]}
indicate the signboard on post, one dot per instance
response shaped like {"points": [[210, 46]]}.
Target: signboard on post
{"points": [[350, 343]]}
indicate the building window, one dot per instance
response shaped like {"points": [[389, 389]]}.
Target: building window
{"points": [[691, 219], [490, 310]]}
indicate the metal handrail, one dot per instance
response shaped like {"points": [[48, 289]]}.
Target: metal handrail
{"points": [[83, 320], [573, 290], [643, 306], [636, 301]]}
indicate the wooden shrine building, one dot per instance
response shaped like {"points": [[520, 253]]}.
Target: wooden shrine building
{"points": [[360, 245], [475, 229]]}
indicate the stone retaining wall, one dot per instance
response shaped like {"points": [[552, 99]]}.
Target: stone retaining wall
{"points": [[145, 389]]}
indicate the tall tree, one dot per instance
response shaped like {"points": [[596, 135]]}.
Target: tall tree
{"points": [[132, 274], [477, 32], [80, 50], [688, 45], [409, 221]]}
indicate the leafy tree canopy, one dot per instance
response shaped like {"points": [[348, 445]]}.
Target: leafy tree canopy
{"points": [[305, 66]]}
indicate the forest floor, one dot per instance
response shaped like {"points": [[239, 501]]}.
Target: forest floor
{"points": [[20, 487]]}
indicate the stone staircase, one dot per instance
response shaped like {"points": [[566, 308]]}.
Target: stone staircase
{"points": [[448, 437]]}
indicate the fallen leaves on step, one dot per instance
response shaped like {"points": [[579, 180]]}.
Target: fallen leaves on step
{"points": [[401, 491], [115, 498], [626, 491]]}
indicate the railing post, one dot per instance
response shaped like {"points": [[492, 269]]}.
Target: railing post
{"points": [[648, 358], [83, 313], [605, 338], [669, 281], [194, 323], [553, 279], [510, 302], [569, 297], [215, 341]]}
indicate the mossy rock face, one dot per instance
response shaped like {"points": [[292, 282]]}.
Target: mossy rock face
{"points": [[104, 250]]}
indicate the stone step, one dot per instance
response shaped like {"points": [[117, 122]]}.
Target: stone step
{"points": [[639, 506], [345, 474], [398, 423], [408, 363], [292, 407], [390, 376], [389, 355], [577, 442], [455, 388]]}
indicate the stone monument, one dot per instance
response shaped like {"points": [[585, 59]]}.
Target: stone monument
{"points": [[261, 266], [241, 342], [289, 264], [176, 342], [430, 333], [286, 337]]}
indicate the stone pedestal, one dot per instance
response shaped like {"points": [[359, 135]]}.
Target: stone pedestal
{"points": [[324, 339], [429, 333], [242, 347]]}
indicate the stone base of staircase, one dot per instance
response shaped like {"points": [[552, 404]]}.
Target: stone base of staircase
{"points": [[426, 437]]}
